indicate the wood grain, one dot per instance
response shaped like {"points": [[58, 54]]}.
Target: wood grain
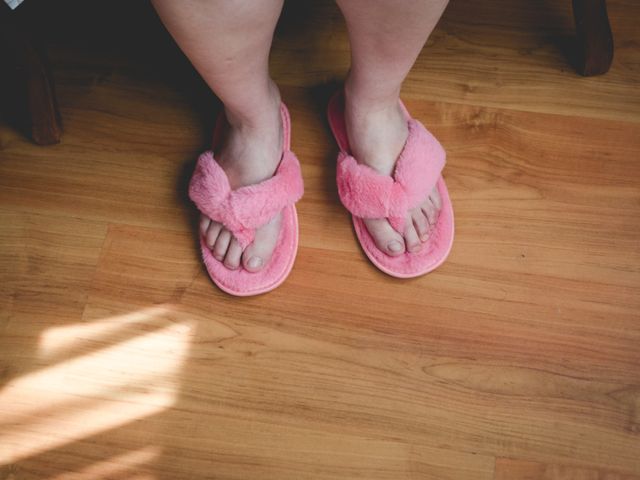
{"points": [[509, 469], [517, 359]]}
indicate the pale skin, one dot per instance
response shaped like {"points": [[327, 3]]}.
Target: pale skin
{"points": [[228, 42]]}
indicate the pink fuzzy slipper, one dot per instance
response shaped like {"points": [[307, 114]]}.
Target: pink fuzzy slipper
{"points": [[369, 194], [245, 209]]}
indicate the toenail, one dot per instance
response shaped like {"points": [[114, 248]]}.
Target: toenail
{"points": [[255, 262], [395, 247]]}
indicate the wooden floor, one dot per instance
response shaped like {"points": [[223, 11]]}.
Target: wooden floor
{"points": [[518, 359]]}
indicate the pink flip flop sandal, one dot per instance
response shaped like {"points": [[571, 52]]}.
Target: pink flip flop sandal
{"points": [[369, 194], [245, 209]]}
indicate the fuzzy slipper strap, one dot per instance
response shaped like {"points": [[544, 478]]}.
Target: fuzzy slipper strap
{"points": [[245, 209], [367, 193]]}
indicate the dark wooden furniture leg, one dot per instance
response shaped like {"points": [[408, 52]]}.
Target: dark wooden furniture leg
{"points": [[595, 41], [31, 94]]}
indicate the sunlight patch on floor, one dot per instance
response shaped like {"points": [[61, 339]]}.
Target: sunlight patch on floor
{"points": [[113, 371], [130, 465]]}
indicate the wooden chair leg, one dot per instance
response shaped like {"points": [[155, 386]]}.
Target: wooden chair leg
{"points": [[32, 82], [595, 40], [46, 123]]}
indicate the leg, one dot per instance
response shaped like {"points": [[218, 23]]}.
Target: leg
{"points": [[386, 38], [228, 42], [595, 40], [30, 93]]}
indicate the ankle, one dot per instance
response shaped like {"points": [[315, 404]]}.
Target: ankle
{"points": [[363, 101], [259, 115], [376, 128]]}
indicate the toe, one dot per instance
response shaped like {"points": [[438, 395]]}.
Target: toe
{"points": [[420, 223], [411, 238], [212, 234], [385, 237], [435, 198], [234, 253], [204, 224], [256, 255], [431, 212], [221, 245], [253, 262]]}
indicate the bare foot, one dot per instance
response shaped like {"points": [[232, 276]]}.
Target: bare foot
{"points": [[377, 134], [250, 154]]}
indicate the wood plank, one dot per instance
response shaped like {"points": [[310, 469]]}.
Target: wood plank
{"points": [[120, 359], [513, 469]]}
